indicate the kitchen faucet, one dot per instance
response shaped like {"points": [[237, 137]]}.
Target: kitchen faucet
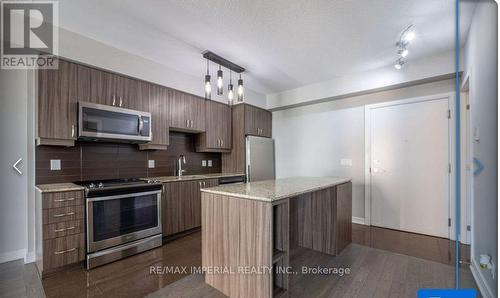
{"points": [[180, 161]]}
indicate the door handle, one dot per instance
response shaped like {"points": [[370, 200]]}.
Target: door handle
{"points": [[141, 125]]}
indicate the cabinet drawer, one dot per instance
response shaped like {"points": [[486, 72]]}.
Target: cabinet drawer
{"points": [[62, 229], [62, 199], [57, 215], [62, 251]]}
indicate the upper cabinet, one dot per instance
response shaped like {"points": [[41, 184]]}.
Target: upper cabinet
{"points": [[157, 104], [258, 122], [217, 135], [187, 112], [56, 95]]}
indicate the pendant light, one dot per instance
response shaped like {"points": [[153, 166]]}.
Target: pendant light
{"points": [[220, 83], [240, 89], [208, 86], [230, 94]]}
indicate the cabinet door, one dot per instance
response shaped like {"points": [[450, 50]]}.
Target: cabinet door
{"points": [[225, 126], [56, 102], [195, 112], [101, 87], [177, 114], [191, 204], [251, 121], [212, 127], [158, 106], [265, 123], [125, 92], [171, 207]]}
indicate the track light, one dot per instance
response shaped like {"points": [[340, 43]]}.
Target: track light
{"points": [[208, 86], [403, 52], [230, 94], [240, 89], [399, 64], [220, 83]]}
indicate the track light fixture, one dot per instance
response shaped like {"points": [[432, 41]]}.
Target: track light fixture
{"points": [[220, 83], [402, 45], [208, 86]]}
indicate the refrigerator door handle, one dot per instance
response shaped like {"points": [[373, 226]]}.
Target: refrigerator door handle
{"points": [[249, 174]]}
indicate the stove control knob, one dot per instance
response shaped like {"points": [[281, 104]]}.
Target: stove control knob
{"points": [[92, 186], [101, 185]]}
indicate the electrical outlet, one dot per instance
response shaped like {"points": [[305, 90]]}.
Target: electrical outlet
{"points": [[203, 163], [55, 164], [151, 164], [209, 163]]}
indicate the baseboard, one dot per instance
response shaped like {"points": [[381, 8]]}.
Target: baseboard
{"points": [[481, 283], [358, 220], [30, 257], [12, 255]]}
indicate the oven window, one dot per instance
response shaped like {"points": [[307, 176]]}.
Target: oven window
{"points": [[112, 218], [102, 121]]}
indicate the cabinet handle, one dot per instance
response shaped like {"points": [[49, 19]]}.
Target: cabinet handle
{"points": [[221, 142], [65, 251], [192, 123], [114, 100], [64, 200], [62, 230], [73, 131], [121, 102], [64, 214], [199, 183], [187, 123]]}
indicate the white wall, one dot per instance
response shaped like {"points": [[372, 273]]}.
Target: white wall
{"points": [[442, 64], [311, 140], [14, 145], [83, 49], [481, 64]]}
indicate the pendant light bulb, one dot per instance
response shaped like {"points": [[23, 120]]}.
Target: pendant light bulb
{"points": [[208, 86], [240, 89], [220, 82], [230, 94]]}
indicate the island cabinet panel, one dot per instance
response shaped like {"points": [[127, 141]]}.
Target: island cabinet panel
{"points": [[343, 226], [156, 99], [237, 233], [187, 112], [56, 101], [217, 135]]}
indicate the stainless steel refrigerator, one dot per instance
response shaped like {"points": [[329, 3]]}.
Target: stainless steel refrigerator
{"points": [[259, 158]]}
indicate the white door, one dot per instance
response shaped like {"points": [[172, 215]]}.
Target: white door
{"points": [[409, 167]]}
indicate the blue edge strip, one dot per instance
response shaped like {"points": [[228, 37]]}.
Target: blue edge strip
{"points": [[457, 145]]}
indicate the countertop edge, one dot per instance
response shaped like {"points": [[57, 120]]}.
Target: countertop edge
{"points": [[54, 188], [270, 200]]}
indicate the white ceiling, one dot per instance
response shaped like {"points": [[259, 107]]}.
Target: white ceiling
{"points": [[284, 44]]}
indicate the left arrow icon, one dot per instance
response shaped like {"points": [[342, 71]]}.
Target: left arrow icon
{"points": [[15, 166]]}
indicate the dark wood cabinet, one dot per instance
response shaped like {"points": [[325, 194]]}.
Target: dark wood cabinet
{"points": [[56, 95], [156, 99], [217, 135], [187, 112], [246, 120], [181, 205], [258, 122]]}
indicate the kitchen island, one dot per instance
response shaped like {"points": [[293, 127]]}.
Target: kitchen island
{"points": [[248, 230]]}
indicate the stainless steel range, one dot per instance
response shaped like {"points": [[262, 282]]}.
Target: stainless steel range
{"points": [[123, 218]]}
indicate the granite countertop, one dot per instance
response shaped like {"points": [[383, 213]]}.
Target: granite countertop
{"points": [[273, 190], [164, 179], [58, 187]]}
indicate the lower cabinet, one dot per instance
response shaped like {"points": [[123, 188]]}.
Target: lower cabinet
{"points": [[60, 230], [181, 205]]}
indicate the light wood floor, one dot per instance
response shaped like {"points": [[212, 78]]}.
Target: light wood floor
{"points": [[394, 269]]}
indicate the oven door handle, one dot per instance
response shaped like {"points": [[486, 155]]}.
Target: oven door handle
{"points": [[135, 194]]}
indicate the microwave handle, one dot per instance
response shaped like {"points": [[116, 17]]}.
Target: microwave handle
{"points": [[141, 125]]}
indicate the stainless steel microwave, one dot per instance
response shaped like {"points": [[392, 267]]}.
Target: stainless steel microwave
{"points": [[103, 122]]}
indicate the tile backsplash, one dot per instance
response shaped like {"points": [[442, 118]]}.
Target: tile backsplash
{"points": [[94, 161]]}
